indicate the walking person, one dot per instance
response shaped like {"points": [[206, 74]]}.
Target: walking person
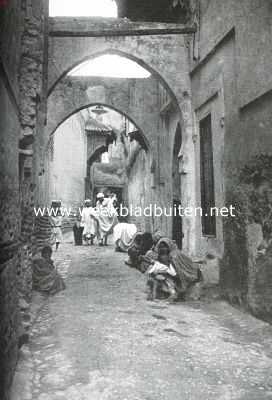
{"points": [[106, 216], [78, 232], [89, 222], [56, 224]]}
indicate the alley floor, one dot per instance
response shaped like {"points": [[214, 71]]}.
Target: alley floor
{"points": [[101, 340]]}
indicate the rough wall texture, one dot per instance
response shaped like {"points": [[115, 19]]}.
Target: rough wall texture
{"points": [[21, 51], [231, 79], [138, 188], [10, 236], [31, 85], [9, 199]]}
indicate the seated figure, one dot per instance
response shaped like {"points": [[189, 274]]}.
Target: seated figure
{"points": [[170, 272], [45, 276], [141, 244], [162, 277], [187, 273]]}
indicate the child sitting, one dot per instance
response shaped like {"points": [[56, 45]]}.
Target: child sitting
{"points": [[162, 276]]}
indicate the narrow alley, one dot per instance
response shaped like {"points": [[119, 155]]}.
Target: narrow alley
{"points": [[101, 339], [136, 200]]}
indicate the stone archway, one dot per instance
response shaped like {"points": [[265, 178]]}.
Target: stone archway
{"points": [[156, 54], [59, 122], [164, 56]]}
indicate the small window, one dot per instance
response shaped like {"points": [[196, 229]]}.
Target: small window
{"points": [[207, 177]]}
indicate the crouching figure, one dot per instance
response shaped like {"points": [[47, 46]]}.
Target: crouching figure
{"points": [[45, 275], [170, 273]]}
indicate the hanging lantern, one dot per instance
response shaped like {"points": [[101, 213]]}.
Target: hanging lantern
{"points": [[99, 110]]}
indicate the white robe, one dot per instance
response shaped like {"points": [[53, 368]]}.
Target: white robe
{"points": [[106, 216], [123, 235], [159, 268], [56, 223], [88, 221]]}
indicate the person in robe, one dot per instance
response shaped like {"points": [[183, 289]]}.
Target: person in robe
{"points": [[106, 217], [162, 276], [165, 251], [89, 222], [141, 244], [46, 278], [56, 225], [78, 232], [123, 236]]}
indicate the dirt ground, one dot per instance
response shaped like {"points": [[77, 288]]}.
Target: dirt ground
{"points": [[100, 339]]}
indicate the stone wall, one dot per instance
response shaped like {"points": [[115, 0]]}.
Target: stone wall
{"points": [[69, 163], [9, 199], [21, 48], [230, 74], [32, 91], [10, 237], [138, 187]]}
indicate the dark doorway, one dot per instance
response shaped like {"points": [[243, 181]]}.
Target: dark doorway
{"points": [[207, 177], [177, 233]]}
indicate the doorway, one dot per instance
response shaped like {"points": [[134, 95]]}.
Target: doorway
{"points": [[177, 233]]}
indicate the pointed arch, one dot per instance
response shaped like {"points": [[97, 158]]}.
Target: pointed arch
{"points": [[139, 130], [123, 54]]}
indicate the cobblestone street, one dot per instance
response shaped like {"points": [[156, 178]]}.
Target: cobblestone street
{"points": [[101, 340]]}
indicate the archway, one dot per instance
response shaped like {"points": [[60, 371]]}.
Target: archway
{"points": [[177, 233], [111, 51], [91, 138], [138, 133], [165, 57]]}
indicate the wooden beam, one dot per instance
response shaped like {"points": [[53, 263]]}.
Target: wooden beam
{"points": [[99, 27]]}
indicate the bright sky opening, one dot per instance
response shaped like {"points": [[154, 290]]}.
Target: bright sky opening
{"points": [[82, 8], [110, 65]]}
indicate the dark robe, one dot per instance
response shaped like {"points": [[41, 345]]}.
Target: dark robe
{"points": [[78, 232], [45, 277]]}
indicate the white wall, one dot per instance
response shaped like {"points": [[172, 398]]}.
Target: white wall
{"points": [[68, 168]]}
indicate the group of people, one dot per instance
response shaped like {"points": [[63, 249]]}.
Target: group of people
{"points": [[170, 274], [96, 222]]}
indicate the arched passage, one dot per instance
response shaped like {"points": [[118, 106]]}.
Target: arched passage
{"points": [[89, 105], [110, 51], [91, 144], [165, 58]]}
